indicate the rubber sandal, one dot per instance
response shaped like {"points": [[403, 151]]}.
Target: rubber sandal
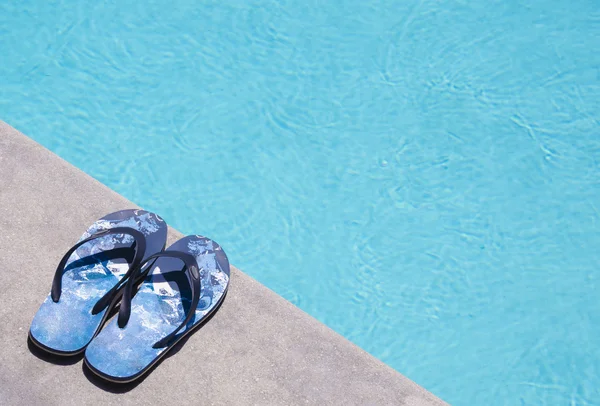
{"points": [[90, 278], [185, 285]]}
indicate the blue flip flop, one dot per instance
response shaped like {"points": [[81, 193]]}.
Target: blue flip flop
{"points": [[181, 289], [90, 278]]}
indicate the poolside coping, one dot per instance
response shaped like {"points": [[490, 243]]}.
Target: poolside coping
{"points": [[257, 349]]}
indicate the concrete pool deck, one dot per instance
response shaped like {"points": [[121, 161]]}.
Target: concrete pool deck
{"points": [[257, 349]]}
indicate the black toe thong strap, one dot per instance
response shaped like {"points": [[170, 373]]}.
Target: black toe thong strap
{"points": [[190, 264], [138, 248]]}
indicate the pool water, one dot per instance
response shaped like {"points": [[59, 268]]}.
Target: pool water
{"points": [[421, 176]]}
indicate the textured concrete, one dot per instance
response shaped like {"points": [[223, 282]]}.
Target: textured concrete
{"points": [[257, 349]]}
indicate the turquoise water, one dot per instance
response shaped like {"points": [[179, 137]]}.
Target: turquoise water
{"points": [[421, 176]]}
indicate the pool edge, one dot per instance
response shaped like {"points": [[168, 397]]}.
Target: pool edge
{"points": [[258, 348]]}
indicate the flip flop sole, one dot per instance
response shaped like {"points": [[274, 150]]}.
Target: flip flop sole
{"points": [[67, 326], [158, 308]]}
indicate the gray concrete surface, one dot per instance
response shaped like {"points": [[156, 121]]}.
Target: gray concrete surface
{"points": [[257, 349]]}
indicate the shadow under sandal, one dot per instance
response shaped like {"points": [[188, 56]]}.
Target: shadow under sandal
{"points": [[90, 278], [185, 285]]}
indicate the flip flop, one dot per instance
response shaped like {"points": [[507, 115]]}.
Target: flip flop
{"points": [[170, 303], [89, 279]]}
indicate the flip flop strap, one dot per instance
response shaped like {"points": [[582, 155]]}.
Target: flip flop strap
{"points": [[139, 246], [190, 264]]}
